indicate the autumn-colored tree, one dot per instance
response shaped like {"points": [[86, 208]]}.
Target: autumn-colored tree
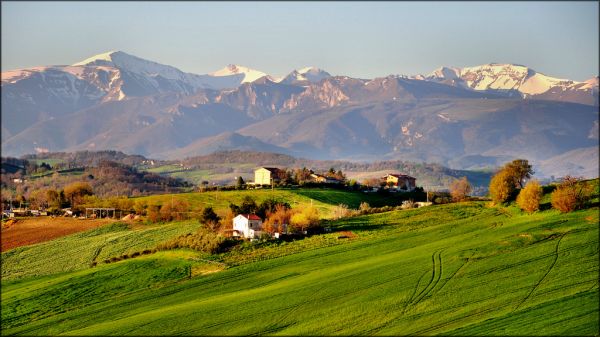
{"points": [[519, 170], [460, 188], [372, 182], [501, 187], [277, 219], [54, 198], [226, 222], [530, 196], [570, 195], [341, 211], [140, 206], [75, 192], [176, 209], [304, 218], [38, 199], [153, 213]]}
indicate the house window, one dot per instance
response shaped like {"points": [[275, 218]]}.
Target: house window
{"points": [[251, 225]]}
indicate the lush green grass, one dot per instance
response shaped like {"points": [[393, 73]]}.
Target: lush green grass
{"points": [[323, 198], [78, 251], [461, 269]]}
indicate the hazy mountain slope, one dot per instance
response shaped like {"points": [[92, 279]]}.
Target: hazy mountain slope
{"points": [[145, 126], [433, 130], [222, 142], [579, 162]]}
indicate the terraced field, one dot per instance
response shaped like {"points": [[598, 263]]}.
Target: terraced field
{"points": [[463, 269]]}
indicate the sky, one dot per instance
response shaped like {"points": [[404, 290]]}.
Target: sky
{"points": [[357, 39]]}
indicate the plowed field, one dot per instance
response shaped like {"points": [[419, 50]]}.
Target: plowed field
{"points": [[28, 231]]}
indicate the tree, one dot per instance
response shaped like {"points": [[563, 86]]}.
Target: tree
{"points": [[341, 211], [529, 197], [460, 188], [305, 218], [276, 219], [570, 195], [210, 219], [75, 192], [239, 184], [502, 187], [519, 170]]}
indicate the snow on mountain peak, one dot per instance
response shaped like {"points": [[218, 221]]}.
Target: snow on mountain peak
{"points": [[250, 75], [310, 74], [107, 57]]}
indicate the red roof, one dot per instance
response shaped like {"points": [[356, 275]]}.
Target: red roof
{"points": [[251, 216]]}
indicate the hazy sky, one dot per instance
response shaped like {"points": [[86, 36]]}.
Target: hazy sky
{"points": [[359, 39]]}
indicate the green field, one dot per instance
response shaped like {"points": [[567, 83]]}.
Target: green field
{"points": [[78, 251], [459, 269], [322, 198]]}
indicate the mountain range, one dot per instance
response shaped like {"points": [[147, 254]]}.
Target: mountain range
{"points": [[465, 118]]}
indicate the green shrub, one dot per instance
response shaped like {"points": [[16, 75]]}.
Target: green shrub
{"points": [[203, 240]]}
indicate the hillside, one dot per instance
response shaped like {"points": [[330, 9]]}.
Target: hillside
{"points": [[325, 200], [224, 166], [462, 269]]}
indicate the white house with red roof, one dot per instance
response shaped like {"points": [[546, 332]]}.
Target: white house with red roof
{"points": [[247, 225]]}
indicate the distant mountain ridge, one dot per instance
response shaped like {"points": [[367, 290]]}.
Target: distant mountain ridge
{"points": [[470, 117], [520, 80]]}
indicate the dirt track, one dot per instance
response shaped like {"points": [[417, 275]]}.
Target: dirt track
{"points": [[28, 231]]}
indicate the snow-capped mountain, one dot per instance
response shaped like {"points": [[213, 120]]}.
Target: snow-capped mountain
{"points": [[517, 79], [249, 75], [305, 76], [458, 116]]}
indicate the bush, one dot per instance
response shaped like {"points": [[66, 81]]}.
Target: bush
{"points": [[407, 204], [203, 240], [570, 195], [460, 188], [502, 186], [529, 197]]}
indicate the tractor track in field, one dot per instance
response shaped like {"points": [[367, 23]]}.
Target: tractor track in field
{"points": [[546, 274], [433, 281], [453, 274]]}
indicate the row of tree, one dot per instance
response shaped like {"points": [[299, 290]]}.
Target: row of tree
{"points": [[509, 184]]}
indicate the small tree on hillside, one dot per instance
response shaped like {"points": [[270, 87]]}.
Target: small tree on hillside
{"points": [[501, 187], [239, 184], [460, 188], [75, 192], [210, 219], [529, 197], [305, 218], [519, 170], [277, 219], [570, 195]]}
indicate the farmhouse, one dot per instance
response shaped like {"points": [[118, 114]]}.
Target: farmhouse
{"points": [[247, 225], [266, 175], [400, 181], [318, 178]]}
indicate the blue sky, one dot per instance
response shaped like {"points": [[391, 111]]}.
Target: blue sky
{"points": [[359, 39]]}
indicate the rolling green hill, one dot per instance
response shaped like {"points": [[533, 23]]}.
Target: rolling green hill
{"points": [[324, 199], [460, 269]]}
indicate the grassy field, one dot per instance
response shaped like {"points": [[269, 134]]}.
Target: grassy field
{"points": [[460, 269], [324, 199], [78, 251]]}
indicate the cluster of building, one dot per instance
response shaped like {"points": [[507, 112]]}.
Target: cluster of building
{"points": [[271, 175], [250, 226]]}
